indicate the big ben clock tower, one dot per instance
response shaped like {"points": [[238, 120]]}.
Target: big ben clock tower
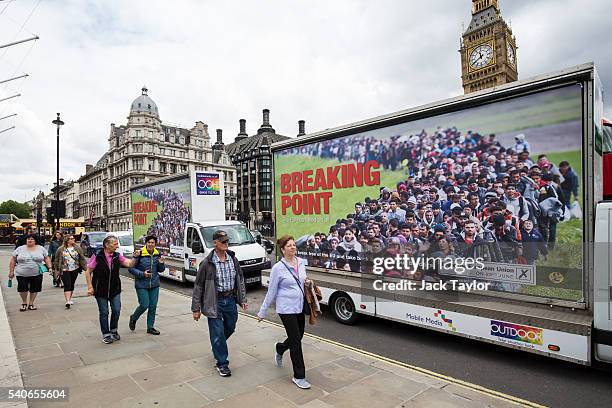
{"points": [[488, 49]]}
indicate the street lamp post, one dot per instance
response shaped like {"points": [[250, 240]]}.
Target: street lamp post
{"points": [[57, 122]]}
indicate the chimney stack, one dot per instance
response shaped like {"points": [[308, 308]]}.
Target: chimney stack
{"points": [[219, 136], [301, 128], [243, 134], [265, 126]]}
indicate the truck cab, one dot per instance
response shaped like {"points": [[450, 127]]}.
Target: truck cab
{"points": [[199, 244]]}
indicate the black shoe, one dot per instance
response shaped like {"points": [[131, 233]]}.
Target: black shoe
{"points": [[67, 305], [224, 371], [153, 330], [115, 336], [132, 324]]}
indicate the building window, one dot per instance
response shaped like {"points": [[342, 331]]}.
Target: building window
{"points": [[138, 133], [150, 134], [162, 167], [183, 168], [151, 165], [137, 148], [138, 164], [162, 151], [182, 154], [172, 168]]}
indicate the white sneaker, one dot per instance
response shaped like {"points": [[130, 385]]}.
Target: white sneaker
{"points": [[302, 383], [278, 358], [71, 302]]}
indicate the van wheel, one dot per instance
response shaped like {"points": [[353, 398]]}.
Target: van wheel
{"points": [[343, 309]]}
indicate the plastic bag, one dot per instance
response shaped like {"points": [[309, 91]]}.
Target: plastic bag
{"points": [[576, 211], [567, 215]]}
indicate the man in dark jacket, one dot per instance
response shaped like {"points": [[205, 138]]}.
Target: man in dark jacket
{"points": [[533, 242], [219, 286], [30, 230], [570, 182]]}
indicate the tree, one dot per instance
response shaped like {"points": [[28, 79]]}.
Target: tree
{"points": [[13, 207]]}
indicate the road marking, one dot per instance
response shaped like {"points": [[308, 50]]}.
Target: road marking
{"points": [[420, 370]]}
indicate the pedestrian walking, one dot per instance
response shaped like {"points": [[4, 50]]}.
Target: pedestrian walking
{"points": [[104, 283], [30, 230], [56, 242], [286, 288], [29, 262], [70, 261], [219, 286], [146, 281]]}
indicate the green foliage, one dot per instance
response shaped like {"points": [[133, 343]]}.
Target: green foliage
{"points": [[21, 210]]}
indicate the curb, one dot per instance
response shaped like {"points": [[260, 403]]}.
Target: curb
{"points": [[10, 363]]}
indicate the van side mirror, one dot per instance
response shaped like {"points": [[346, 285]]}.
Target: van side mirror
{"points": [[197, 248], [258, 239]]}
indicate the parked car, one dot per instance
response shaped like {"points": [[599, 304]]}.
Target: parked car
{"points": [[266, 243], [91, 241], [126, 242]]}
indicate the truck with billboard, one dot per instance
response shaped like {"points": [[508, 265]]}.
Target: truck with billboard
{"points": [[183, 212], [479, 216]]}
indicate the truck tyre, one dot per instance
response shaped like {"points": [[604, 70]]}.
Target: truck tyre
{"points": [[343, 309]]}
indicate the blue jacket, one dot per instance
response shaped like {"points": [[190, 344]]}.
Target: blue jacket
{"points": [[533, 244], [148, 262]]}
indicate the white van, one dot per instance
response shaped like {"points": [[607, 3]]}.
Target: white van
{"points": [[126, 243]]}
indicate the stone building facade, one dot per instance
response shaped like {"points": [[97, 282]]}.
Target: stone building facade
{"points": [[143, 149]]}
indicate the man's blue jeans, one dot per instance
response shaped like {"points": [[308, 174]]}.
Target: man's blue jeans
{"points": [[222, 327], [115, 305], [147, 299]]}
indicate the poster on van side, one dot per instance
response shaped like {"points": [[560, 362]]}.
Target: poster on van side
{"points": [[162, 210], [501, 182]]}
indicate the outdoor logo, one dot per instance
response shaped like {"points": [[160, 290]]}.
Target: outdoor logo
{"points": [[446, 320], [208, 184], [526, 334]]}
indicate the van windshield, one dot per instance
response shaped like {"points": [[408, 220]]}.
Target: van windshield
{"points": [[97, 238], [238, 235], [125, 240]]}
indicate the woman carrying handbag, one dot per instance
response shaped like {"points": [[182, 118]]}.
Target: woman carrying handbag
{"points": [[286, 288], [69, 261]]}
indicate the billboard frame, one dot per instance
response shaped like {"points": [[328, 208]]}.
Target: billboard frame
{"points": [[583, 75]]}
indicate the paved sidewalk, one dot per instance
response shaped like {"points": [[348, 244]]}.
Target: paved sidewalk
{"points": [[58, 347]]}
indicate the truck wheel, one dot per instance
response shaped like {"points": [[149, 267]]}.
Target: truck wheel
{"points": [[343, 309]]}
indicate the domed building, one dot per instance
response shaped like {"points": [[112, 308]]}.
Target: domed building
{"points": [[143, 149]]}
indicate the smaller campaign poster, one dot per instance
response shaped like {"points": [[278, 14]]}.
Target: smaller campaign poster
{"points": [[208, 184]]}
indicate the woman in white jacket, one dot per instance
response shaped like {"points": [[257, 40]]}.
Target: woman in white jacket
{"points": [[286, 288]]}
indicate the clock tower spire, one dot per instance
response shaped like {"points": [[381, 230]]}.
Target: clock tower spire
{"points": [[488, 49]]}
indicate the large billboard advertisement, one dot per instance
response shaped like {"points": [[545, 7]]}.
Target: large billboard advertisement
{"points": [[500, 183], [162, 210]]}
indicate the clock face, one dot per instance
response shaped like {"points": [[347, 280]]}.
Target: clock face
{"points": [[511, 55], [481, 56]]}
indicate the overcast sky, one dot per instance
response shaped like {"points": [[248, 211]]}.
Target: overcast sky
{"points": [[329, 63]]}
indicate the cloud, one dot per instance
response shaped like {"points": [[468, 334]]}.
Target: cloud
{"points": [[329, 63]]}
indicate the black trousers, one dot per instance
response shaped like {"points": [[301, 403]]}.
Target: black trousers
{"points": [[294, 326], [69, 278]]}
